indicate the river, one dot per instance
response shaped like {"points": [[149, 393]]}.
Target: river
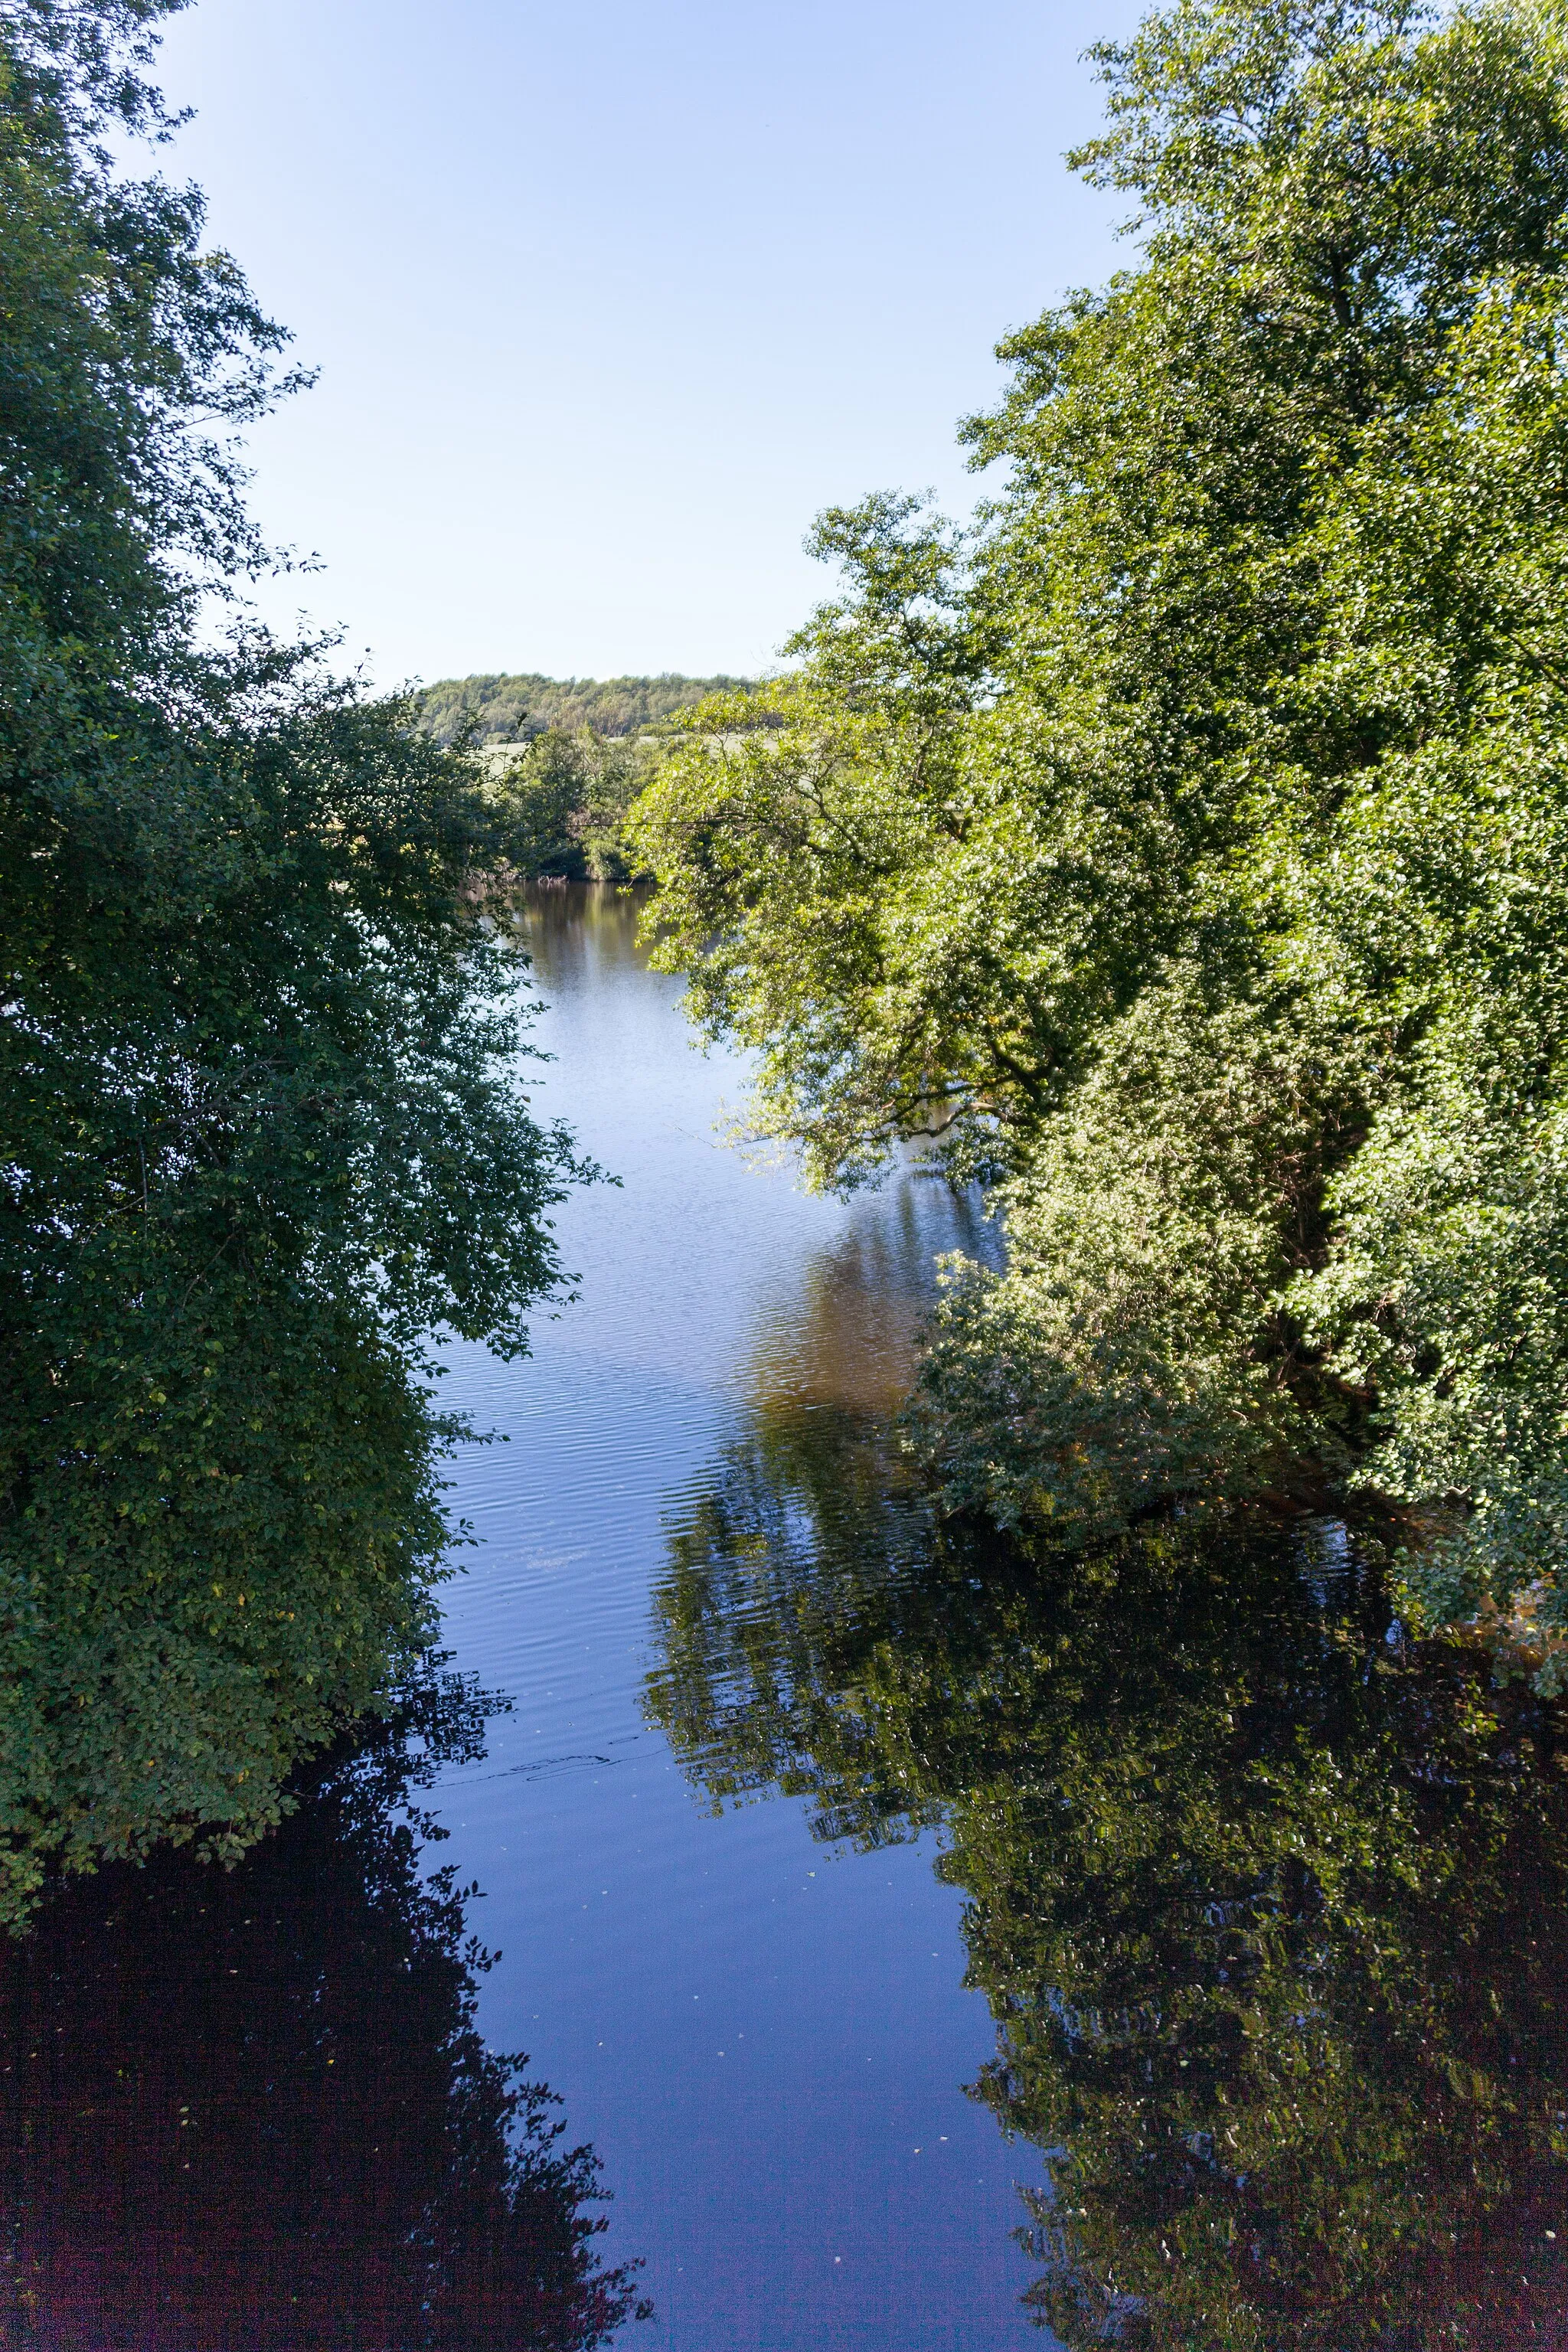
{"points": [[764, 2036], [927, 1944]]}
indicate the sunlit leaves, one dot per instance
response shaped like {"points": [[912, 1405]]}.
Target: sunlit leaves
{"points": [[1185, 844]]}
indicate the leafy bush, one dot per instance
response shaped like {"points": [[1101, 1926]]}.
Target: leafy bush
{"points": [[1135, 1344]]}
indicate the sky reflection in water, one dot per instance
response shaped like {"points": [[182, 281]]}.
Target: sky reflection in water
{"points": [[765, 2040], [1271, 1917], [799, 1788]]}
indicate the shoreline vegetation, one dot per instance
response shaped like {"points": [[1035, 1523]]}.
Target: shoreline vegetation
{"points": [[267, 1127], [1180, 851], [1182, 848], [564, 759]]}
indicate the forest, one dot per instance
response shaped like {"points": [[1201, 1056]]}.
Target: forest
{"points": [[512, 710], [1179, 847]]}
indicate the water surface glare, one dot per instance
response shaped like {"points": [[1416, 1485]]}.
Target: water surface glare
{"points": [[764, 2036]]}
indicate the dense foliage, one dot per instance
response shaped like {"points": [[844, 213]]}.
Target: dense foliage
{"points": [[262, 1132], [565, 757], [562, 802], [252, 2111], [1183, 847], [1270, 1913], [512, 710]]}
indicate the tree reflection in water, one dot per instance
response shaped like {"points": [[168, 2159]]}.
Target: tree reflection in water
{"points": [[1273, 1917], [251, 2108]]}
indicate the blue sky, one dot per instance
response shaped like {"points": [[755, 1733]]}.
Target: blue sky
{"points": [[608, 300]]}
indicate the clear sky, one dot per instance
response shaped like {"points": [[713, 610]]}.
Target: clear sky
{"points": [[610, 296]]}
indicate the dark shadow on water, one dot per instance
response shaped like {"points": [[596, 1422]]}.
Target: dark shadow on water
{"points": [[248, 2110], [1271, 1911], [575, 930], [849, 1334]]}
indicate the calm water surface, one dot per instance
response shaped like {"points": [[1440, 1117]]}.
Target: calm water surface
{"points": [[764, 2036], [930, 1944]]}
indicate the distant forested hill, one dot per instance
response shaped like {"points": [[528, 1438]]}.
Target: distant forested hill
{"points": [[510, 708]]}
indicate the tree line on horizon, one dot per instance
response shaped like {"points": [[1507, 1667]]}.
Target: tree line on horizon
{"points": [[496, 708]]}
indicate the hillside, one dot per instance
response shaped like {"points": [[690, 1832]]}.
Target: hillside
{"points": [[514, 709]]}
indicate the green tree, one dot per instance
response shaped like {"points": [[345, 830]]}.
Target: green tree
{"points": [[1183, 847], [263, 1130], [1426, 904], [562, 800]]}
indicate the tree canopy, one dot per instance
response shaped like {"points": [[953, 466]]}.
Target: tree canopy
{"points": [[258, 1073], [1182, 846], [512, 709]]}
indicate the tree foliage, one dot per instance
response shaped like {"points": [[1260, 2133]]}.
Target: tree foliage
{"points": [[502, 707], [1183, 845], [562, 802], [263, 1131]]}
